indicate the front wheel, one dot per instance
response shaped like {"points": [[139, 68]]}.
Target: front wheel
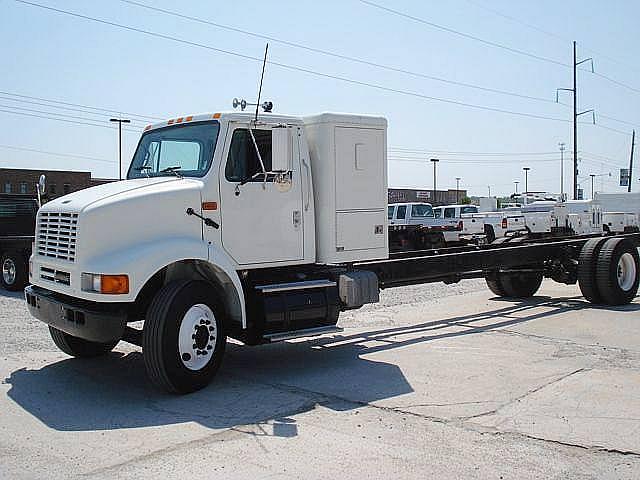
{"points": [[14, 271], [184, 337]]}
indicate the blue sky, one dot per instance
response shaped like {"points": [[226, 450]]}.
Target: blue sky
{"points": [[68, 59]]}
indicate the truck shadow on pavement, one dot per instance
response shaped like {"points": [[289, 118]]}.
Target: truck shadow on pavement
{"points": [[263, 385]]}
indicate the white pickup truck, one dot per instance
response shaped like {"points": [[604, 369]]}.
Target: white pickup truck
{"points": [[490, 225], [259, 229], [413, 226]]}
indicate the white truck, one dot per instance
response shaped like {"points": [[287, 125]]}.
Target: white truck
{"points": [[413, 226], [259, 229], [484, 226]]}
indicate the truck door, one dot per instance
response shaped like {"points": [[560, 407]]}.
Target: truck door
{"points": [[261, 221]]}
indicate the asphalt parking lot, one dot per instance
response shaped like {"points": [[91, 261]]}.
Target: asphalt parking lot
{"points": [[437, 381]]}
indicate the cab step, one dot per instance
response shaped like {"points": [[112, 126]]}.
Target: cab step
{"points": [[307, 332]]}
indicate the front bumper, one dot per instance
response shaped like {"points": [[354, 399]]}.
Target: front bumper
{"points": [[96, 322]]}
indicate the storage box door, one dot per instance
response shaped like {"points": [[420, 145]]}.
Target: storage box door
{"points": [[360, 169]]}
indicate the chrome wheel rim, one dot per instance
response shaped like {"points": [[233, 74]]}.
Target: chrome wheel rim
{"points": [[197, 337], [9, 271], [626, 271]]}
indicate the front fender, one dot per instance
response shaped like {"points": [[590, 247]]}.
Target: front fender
{"points": [[142, 261]]}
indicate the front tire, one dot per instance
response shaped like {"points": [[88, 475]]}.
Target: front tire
{"points": [[184, 336], [14, 271], [78, 347]]}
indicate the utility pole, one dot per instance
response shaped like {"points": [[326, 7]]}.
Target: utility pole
{"points": [[516, 184], [489, 187], [633, 144], [593, 177], [457, 190], [526, 182], [435, 162], [120, 121], [576, 114], [561, 144]]}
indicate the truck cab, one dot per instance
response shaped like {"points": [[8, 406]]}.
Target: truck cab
{"points": [[225, 224]]}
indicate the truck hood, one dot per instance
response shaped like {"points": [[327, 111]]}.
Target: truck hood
{"points": [[78, 201], [122, 216]]}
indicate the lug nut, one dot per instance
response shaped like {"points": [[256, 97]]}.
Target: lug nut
{"points": [[209, 347], [201, 322], [211, 338], [207, 322], [194, 345], [193, 336], [211, 329]]}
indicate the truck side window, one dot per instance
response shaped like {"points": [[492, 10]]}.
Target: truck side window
{"points": [[437, 212], [242, 162], [390, 212], [449, 213], [401, 213]]}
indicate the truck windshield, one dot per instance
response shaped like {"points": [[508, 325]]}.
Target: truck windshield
{"points": [[186, 150], [424, 210]]}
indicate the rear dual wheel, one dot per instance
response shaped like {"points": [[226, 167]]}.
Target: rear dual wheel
{"points": [[609, 271]]}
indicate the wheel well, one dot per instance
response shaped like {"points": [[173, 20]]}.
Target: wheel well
{"points": [[194, 270]]}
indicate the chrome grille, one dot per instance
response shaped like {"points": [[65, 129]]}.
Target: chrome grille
{"points": [[57, 235]]}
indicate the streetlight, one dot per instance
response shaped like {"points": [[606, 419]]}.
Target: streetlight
{"points": [[120, 121], [435, 162], [457, 190], [561, 145], [516, 184], [526, 182], [593, 177]]}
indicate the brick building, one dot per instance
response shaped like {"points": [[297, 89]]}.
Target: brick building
{"points": [[442, 197], [59, 182]]}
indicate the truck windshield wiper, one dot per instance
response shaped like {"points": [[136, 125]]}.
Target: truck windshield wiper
{"points": [[173, 170]]}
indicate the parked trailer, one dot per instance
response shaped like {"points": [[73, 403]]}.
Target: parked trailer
{"points": [[17, 223], [260, 231]]}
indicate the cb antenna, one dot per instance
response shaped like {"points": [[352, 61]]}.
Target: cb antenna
{"points": [[264, 63]]}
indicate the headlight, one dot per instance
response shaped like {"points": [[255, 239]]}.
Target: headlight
{"points": [[108, 284]]}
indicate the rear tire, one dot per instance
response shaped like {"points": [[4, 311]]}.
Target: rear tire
{"points": [[618, 271], [13, 271], [489, 233], [495, 285], [78, 347], [587, 262], [515, 284], [184, 337]]}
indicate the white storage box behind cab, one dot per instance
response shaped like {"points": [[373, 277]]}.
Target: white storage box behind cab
{"points": [[349, 167]]}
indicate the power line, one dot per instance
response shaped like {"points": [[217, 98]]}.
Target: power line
{"points": [[29, 102], [491, 43], [74, 117], [446, 152], [295, 68], [464, 35], [44, 152], [543, 31], [110, 111], [338, 55], [63, 120]]}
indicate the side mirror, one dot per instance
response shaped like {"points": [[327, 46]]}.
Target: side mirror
{"points": [[42, 184], [281, 149]]}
